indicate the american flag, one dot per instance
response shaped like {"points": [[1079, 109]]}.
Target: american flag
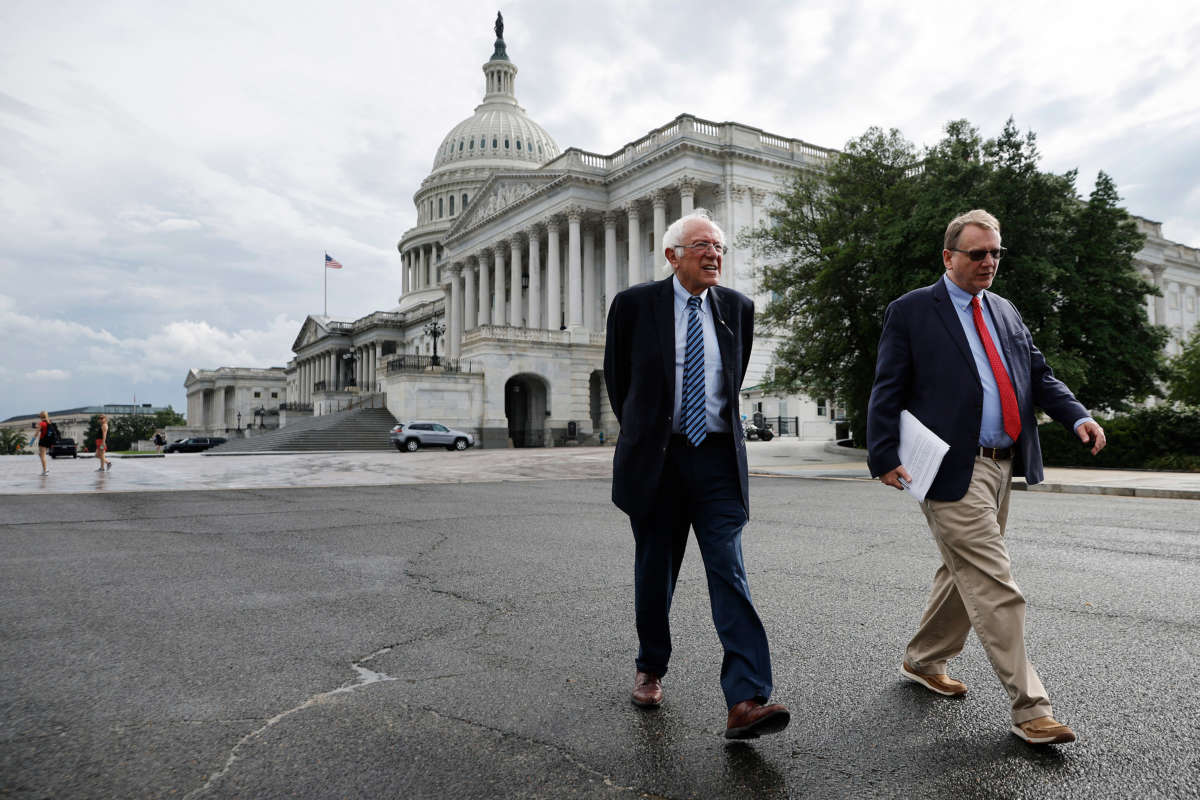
{"points": [[331, 262]]}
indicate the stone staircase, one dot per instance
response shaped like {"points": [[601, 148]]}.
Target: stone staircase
{"points": [[360, 429]]}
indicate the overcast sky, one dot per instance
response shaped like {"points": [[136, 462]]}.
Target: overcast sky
{"points": [[172, 174]]}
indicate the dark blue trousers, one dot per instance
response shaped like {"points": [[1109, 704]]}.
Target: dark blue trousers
{"points": [[699, 490]]}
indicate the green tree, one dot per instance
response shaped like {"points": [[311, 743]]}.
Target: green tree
{"points": [[1102, 308], [843, 244], [12, 441], [1183, 377], [168, 416]]}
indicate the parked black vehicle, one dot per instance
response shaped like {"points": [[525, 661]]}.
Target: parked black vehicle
{"points": [[754, 432], [64, 448], [194, 445]]}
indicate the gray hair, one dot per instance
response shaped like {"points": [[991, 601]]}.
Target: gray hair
{"points": [[976, 217], [674, 233]]}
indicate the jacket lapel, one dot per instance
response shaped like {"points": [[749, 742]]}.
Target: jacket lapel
{"points": [[948, 314], [725, 343], [663, 310]]}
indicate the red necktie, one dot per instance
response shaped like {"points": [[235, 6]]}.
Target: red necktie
{"points": [[1008, 398]]}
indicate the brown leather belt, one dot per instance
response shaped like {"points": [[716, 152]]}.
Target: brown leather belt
{"points": [[996, 453]]}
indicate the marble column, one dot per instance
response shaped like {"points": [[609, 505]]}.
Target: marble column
{"points": [[454, 313], [470, 303], [485, 287], [574, 269], [687, 196], [1160, 302], [498, 316], [589, 277], [403, 274], [535, 277], [421, 280], [516, 314], [610, 259], [635, 244], [553, 277], [659, 200]]}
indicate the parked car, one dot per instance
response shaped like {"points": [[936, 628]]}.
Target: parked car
{"points": [[753, 432], [64, 448], [415, 434], [194, 445]]}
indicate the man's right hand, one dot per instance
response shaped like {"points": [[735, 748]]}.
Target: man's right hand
{"points": [[894, 477]]}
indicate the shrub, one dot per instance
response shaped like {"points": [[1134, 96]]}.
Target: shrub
{"points": [[1163, 437]]}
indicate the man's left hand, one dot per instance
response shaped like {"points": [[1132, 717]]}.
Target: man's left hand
{"points": [[1090, 431]]}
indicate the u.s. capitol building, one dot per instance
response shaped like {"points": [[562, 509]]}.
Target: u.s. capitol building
{"points": [[518, 248]]}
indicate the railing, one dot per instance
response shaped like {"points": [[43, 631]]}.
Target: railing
{"points": [[411, 362], [379, 318], [687, 125], [295, 407], [319, 386]]}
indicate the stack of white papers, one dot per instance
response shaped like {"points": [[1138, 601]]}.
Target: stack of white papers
{"points": [[921, 453]]}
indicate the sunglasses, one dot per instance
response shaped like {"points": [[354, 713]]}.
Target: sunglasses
{"points": [[980, 254]]}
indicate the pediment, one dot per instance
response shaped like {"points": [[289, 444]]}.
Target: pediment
{"points": [[501, 192], [310, 331]]}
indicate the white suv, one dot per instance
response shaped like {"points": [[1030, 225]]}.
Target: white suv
{"points": [[415, 434]]}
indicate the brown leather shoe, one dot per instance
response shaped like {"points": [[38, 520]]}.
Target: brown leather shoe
{"points": [[647, 690], [1044, 730], [942, 684], [751, 719]]}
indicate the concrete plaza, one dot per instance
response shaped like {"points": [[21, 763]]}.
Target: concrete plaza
{"points": [[460, 625]]}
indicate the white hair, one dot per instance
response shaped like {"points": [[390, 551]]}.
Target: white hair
{"points": [[674, 234]]}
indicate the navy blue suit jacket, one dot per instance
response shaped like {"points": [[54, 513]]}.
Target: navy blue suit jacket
{"points": [[639, 373], [925, 366]]}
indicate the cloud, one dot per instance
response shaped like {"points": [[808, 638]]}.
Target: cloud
{"points": [[49, 375]]}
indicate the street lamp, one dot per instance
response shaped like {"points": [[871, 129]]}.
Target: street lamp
{"points": [[435, 330], [239, 415]]}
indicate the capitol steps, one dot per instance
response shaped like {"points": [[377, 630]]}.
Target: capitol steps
{"points": [[360, 429]]}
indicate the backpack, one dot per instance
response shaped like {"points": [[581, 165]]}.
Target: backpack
{"points": [[51, 437]]}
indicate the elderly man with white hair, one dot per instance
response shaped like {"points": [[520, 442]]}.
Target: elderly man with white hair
{"points": [[676, 354]]}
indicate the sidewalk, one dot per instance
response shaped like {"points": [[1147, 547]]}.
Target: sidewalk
{"points": [[783, 457]]}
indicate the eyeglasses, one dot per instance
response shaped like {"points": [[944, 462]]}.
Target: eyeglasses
{"points": [[980, 254], [702, 247]]}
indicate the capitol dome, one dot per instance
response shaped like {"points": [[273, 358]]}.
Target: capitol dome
{"points": [[499, 135]]}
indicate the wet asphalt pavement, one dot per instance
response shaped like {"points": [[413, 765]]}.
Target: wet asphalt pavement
{"points": [[475, 640]]}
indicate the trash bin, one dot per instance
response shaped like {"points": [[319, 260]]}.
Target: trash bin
{"points": [[572, 430]]}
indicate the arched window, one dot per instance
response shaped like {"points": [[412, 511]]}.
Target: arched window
{"points": [[518, 144], [505, 142], [482, 142], [440, 208], [464, 203], [460, 145], [471, 145], [452, 205], [494, 143]]}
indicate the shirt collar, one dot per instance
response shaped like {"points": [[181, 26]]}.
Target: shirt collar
{"points": [[960, 296], [681, 294]]}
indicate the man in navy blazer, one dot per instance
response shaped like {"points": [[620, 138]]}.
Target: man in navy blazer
{"points": [[680, 463], [960, 359]]}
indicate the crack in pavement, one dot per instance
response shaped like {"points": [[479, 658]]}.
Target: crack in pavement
{"points": [[366, 677], [562, 751]]}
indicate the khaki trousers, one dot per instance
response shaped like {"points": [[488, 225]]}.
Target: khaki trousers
{"points": [[974, 588]]}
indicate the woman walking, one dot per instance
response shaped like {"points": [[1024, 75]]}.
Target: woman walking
{"points": [[102, 445], [42, 431]]}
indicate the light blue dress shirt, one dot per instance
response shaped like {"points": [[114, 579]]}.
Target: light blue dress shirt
{"points": [[714, 381], [991, 428]]}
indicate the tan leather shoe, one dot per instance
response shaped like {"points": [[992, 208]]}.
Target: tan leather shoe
{"points": [[942, 684], [647, 690], [750, 719], [1044, 730]]}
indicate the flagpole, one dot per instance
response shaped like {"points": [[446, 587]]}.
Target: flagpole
{"points": [[325, 269]]}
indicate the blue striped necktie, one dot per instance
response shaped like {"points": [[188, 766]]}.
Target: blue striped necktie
{"points": [[693, 404]]}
